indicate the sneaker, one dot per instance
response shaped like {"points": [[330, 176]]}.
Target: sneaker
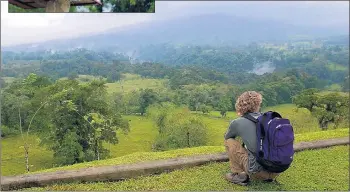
{"points": [[238, 178], [268, 180]]}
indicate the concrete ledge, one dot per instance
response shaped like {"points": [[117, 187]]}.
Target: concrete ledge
{"points": [[121, 172]]}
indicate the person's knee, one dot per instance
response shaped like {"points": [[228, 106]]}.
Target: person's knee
{"points": [[232, 142]]}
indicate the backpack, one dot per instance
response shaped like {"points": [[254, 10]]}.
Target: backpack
{"points": [[275, 138]]}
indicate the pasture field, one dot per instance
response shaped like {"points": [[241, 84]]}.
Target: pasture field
{"points": [[334, 87], [134, 83], [8, 79], [324, 169], [301, 119], [85, 78], [337, 67], [328, 92], [139, 140], [124, 152]]}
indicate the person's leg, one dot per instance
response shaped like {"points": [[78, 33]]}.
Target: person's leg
{"points": [[238, 157]]}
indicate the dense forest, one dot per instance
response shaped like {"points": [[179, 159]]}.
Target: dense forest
{"points": [[42, 91]]}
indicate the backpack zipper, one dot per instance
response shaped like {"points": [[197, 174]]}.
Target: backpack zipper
{"points": [[268, 139], [268, 136]]}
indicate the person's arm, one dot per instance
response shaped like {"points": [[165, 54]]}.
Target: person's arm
{"points": [[231, 131]]}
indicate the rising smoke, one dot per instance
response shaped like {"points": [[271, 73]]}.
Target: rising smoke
{"points": [[263, 67]]}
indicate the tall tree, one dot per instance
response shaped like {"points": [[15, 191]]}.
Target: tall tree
{"points": [[147, 98]]}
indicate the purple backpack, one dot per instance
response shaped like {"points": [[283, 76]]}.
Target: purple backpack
{"points": [[275, 137]]}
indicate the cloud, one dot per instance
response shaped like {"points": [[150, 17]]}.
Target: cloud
{"points": [[31, 28]]}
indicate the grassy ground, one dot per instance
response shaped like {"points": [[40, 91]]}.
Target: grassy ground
{"points": [[325, 169], [9, 79], [132, 82], [334, 87], [145, 156], [12, 156], [301, 119], [140, 138], [337, 67], [328, 92]]}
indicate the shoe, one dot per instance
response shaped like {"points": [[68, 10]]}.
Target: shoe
{"points": [[238, 178], [268, 180]]}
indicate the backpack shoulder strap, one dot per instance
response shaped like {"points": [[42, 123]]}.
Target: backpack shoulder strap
{"points": [[251, 118]]}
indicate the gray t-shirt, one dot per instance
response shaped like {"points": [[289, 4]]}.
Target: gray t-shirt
{"points": [[246, 130]]}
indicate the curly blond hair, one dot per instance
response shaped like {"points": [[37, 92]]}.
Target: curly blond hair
{"points": [[249, 101]]}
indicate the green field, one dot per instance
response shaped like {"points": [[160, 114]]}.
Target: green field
{"points": [[133, 148], [325, 169], [134, 83], [301, 119], [337, 67], [334, 87], [328, 92], [12, 156], [8, 79], [85, 78], [141, 137]]}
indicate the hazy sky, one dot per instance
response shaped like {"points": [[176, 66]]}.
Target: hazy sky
{"points": [[31, 28]]}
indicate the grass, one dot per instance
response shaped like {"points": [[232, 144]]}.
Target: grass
{"points": [[328, 92], [334, 87], [141, 137], [85, 78], [337, 67], [324, 169], [301, 119], [12, 156], [147, 156], [9, 79], [133, 82]]}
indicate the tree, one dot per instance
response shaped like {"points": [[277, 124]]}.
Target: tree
{"points": [[224, 106], [178, 128], [159, 113], [113, 77], [306, 99], [25, 137], [104, 129], [329, 108], [204, 108], [133, 6], [81, 121], [21, 107], [147, 98], [73, 75]]}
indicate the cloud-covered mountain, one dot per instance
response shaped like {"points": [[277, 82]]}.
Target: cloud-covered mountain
{"points": [[213, 29]]}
